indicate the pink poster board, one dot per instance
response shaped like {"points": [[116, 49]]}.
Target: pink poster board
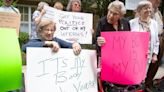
{"points": [[124, 57]]}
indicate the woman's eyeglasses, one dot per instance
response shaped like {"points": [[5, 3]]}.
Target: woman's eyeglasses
{"points": [[47, 30]]}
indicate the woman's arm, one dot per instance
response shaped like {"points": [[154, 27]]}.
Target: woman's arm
{"points": [[38, 15], [32, 43], [75, 46]]}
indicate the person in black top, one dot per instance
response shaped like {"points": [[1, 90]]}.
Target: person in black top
{"points": [[113, 21]]}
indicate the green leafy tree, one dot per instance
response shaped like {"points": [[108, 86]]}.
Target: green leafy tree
{"points": [[1, 2], [102, 7], [14, 3]]}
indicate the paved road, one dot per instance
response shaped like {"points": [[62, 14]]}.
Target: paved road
{"points": [[160, 72]]}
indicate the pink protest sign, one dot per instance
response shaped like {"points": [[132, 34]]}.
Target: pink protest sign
{"points": [[124, 57]]}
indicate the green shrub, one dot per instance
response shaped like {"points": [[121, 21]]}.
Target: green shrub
{"points": [[23, 38], [14, 3]]}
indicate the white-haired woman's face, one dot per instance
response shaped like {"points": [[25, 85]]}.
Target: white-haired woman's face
{"points": [[113, 16], [47, 32], [75, 7], [146, 11]]}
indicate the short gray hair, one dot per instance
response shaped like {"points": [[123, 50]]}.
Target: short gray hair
{"points": [[118, 5], [142, 4], [42, 24], [70, 4], [40, 5]]}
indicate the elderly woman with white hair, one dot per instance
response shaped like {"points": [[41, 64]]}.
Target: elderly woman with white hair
{"points": [[45, 32], [74, 6], [144, 23], [113, 22]]}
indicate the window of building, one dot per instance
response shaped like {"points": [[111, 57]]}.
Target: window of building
{"points": [[26, 17]]}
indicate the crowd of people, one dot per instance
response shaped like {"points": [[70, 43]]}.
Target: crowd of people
{"points": [[148, 18]]}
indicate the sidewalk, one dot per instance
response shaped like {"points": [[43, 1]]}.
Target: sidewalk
{"points": [[160, 72]]}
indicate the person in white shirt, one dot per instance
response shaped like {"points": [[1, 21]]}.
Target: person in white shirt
{"points": [[157, 16], [144, 23], [7, 7]]}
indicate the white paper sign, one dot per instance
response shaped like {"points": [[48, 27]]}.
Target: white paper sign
{"points": [[60, 72], [131, 4], [71, 26]]}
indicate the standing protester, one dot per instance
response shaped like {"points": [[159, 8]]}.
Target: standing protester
{"points": [[7, 7], [114, 21], [58, 5], [156, 15], [74, 6], [144, 23], [36, 17]]}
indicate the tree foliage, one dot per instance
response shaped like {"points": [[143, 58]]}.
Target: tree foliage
{"points": [[1, 2], [23, 38], [102, 7], [14, 3]]}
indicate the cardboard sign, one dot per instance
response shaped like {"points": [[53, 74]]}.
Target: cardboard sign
{"points": [[71, 26], [124, 57], [60, 72], [10, 60], [10, 20]]}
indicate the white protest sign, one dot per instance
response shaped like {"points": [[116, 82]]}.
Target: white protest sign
{"points": [[60, 72], [50, 13], [131, 4], [71, 26]]}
